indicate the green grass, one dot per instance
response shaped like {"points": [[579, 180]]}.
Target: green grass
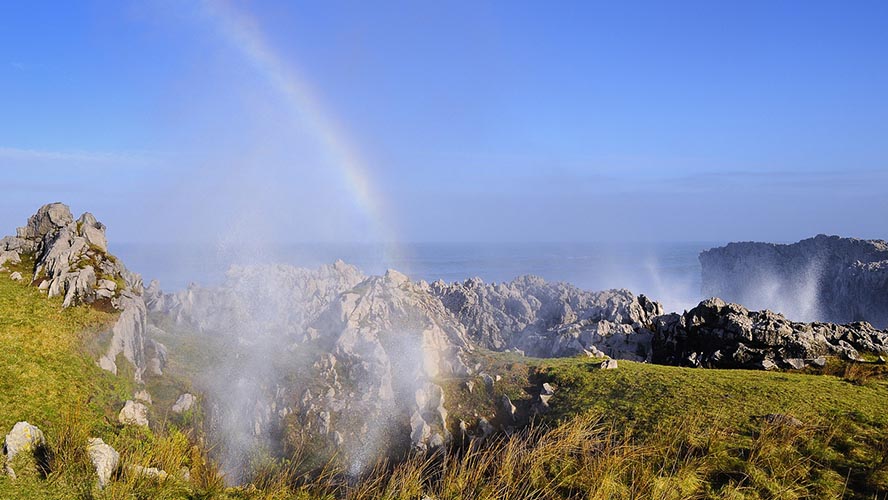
{"points": [[46, 368]]}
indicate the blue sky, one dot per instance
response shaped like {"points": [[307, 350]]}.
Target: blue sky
{"points": [[472, 121]]}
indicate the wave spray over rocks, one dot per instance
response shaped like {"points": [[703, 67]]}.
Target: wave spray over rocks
{"points": [[825, 278]]}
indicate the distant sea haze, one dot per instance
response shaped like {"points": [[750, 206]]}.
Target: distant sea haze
{"points": [[667, 272]]}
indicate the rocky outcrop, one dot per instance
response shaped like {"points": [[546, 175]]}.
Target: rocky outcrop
{"points": [[545, 319], [716, 334], [825, 278], [70, 257]]}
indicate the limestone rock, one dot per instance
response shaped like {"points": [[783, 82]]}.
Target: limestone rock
{"points": [[16, 276], [537, 318], [722, 335], [133, 413], [183, 403], [104, 458], [24, 438], [508, 409]]}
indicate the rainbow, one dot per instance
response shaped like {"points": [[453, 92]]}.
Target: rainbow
{"points": [[244, 34]]}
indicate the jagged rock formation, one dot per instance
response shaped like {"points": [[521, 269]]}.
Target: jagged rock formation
{"points": [[716, 334], [71, 259], [825, 278], [370, 348], [551, 319]]}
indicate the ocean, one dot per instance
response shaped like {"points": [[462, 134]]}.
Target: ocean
{"points": [[667, 272]]}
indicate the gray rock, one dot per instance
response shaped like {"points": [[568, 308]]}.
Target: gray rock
{"points": [[16, 276], [133, 413], [508, 409], [23, 438], [487, 379], [608, 364], [794, 363], [818, 362], [337, 439], [547, 389], [720, 335], [485, 427], [183, 403], [825, 278], [104, 458]]}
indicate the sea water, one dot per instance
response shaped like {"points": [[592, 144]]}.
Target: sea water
{"points": [[667, 272]]}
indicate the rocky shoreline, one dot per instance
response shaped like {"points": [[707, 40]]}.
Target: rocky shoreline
{"points": [[357, 361]]}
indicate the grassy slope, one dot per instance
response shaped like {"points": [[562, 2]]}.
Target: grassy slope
{"points": [[45, 371], [843, 439]]}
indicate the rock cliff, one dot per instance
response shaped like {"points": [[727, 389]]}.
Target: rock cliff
{"points": [[825, 278]]}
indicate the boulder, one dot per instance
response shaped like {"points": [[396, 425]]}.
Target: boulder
{"points": [[104, 458], [26, 442], [133, 413]]}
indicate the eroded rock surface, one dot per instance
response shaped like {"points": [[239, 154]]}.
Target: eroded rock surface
{"points": [[546, 319], [717, 334]]}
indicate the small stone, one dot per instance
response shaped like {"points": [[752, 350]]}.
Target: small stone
{"points": [[104, 458], [149, 472], [819, 362], [608, 364], [16, 276], [547, 389], [470, 386], [795, 363], [783, 419], [487, 379]]}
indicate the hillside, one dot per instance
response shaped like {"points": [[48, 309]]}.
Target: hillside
{"points": [[636, 431]]}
